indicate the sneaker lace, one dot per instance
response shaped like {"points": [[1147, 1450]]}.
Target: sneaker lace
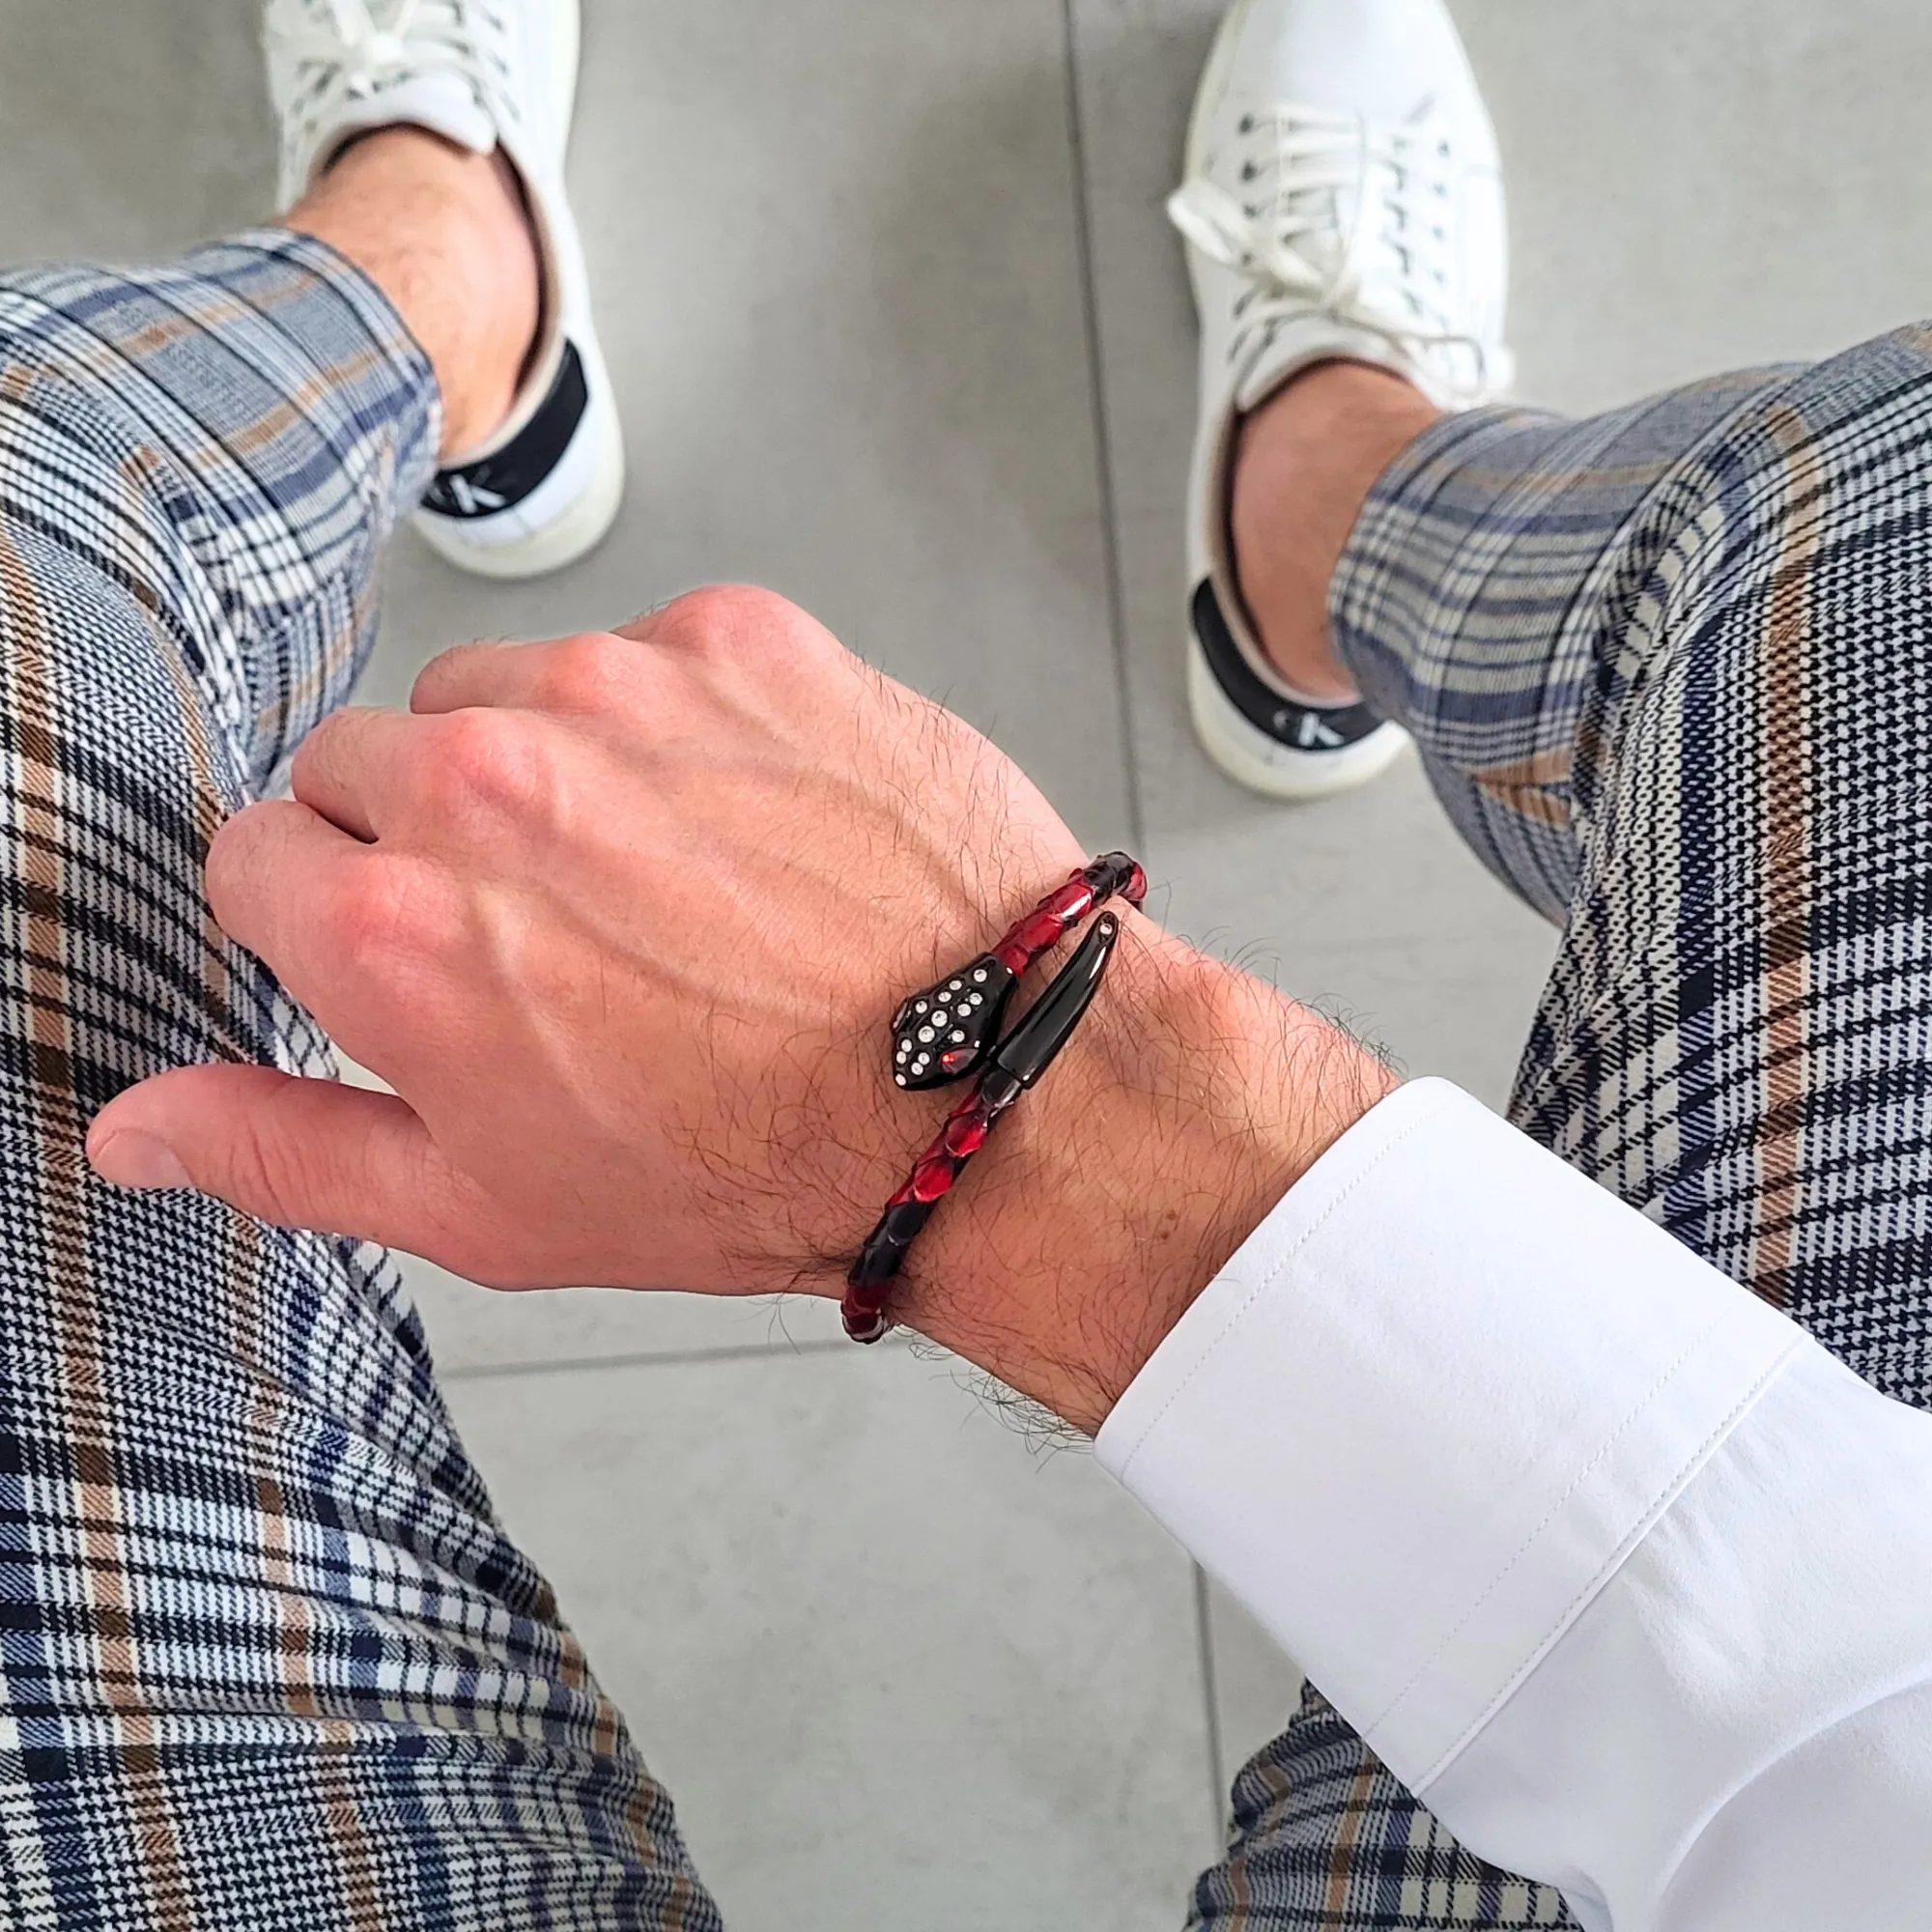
{"points": [[351, 50], [1382, 268]]}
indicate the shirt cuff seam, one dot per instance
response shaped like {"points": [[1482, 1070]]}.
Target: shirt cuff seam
{"points": [[1652, 1513], [1236, 1316]]}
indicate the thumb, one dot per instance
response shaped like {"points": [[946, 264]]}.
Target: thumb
{"points": [[300, 1153]]}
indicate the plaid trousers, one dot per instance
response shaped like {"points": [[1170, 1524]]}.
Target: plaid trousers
{"points": [[1670, 675], [266, 1657]]}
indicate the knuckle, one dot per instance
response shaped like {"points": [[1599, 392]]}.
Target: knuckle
{"points": [[735, 619], [595, 672], [381, 921], [487, 764]]}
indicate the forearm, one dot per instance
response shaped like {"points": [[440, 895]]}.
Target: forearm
{"points": [[1190, 1101]]}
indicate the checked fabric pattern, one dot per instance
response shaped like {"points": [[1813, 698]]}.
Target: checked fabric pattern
{"points": [[1670, 672], [266, 1659]]}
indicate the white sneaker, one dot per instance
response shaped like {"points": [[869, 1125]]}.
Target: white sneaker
{"points": [[1342, 200], [486, 75]]}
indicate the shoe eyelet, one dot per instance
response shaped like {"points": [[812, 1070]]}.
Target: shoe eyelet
{"points": [[1249, 171], [1246, 124]]}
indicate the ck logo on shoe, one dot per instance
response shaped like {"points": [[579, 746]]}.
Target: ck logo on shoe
{"points": [[473, 499], [1302, 727], [1307, 729], [503, 479]]}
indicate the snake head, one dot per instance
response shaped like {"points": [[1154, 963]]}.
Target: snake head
{"points": [[944, 1032]]}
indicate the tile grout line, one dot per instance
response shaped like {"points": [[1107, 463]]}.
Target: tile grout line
{"points": [[1204, 1632], [1103, 437], [1117, 626]]}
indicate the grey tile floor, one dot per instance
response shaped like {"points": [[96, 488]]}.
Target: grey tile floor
{"points": [[899, 331]]}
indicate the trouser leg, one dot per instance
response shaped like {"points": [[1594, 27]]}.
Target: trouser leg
{"points": [[1669, 671], [266, 1659]]}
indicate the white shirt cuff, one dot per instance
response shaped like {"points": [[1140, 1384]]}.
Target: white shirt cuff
{"points": [[1438, 1396]]}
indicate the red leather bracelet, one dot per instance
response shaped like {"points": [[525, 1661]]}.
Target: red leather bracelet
{"points": [[950, 1029]]}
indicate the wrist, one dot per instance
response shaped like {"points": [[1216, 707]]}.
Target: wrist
{"points": [[1189, 1103]]}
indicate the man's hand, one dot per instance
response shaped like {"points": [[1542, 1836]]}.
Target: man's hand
{"points": [[623, 919]]}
